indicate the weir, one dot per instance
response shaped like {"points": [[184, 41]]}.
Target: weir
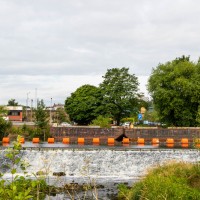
{"points": [[118, 164]]}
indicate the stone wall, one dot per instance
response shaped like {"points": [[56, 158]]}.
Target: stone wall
{"points": [[84, 132], [118, 133]]}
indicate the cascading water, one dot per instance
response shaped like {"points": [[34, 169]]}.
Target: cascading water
{"points": [[122, 164], [107, 167]]}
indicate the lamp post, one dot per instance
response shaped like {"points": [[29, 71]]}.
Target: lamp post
{"points": [[50, 112], [27, 105], [31, 109]]}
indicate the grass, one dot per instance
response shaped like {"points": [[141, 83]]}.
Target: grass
{"points": [[168, 182]]}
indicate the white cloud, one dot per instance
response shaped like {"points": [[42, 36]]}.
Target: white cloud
{"points": [[47, 40]]}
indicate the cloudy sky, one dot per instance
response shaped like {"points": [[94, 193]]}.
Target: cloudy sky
{"points": [[49, 48]]}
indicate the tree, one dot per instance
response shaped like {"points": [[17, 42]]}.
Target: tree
{"points": [[175, 89], [103, 122], [12, 102], [41, 118], [84, 104], [61, 116], [4, 125], [119, 89]]}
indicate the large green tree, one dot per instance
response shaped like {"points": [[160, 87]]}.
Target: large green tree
{"points": [[119, 89], [84, 105], [175, 89]]}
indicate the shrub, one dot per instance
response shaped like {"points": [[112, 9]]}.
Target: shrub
{"points": [[101, 121], [19, 187], [171, 182]]}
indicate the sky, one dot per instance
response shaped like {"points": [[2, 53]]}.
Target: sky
{"points": [[49, 48]]}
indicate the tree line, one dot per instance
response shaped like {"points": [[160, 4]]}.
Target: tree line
{"points": [[174, 88]]}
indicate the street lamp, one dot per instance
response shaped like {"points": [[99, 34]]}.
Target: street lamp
{"points": [[27, 104], [50, 112], [31, 109]]}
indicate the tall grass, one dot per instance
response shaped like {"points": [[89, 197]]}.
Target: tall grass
{"points": [[168, 182]]}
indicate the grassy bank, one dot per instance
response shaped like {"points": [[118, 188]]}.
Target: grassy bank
{"points": [[168, 182]]}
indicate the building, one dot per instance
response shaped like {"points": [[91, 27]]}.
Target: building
{"points": [[14, 113]]}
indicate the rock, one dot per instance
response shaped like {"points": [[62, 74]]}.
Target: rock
{"points": [[59, 174]]}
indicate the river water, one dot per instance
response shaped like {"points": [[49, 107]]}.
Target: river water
{"points": [[103, 166]]}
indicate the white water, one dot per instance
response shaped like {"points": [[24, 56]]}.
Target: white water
{"points": [[105, 166], [120, 164]]}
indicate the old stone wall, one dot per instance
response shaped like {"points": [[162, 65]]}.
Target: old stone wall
{"points": [[103, 133]]}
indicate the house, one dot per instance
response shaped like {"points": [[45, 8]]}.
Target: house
{"points": [[14, 113]]}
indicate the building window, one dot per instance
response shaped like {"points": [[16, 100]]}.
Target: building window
{"points": [[14, 113]]}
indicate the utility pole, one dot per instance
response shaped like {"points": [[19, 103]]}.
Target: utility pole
{"points": [[50, 113], [27, 106], [31, 110]]}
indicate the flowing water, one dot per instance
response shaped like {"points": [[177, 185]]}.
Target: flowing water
{"points": [[106, 166]]}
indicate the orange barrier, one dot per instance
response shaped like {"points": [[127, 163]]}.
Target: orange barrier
{"points": [[50, 140], [111, 141], [155, 141], [95, 140], [125, 141], [140, 141], [184, 141], [81, 140], [22, 140], [36, 140], [197, 146], [65, 140], [170, 141], [6, 140]]}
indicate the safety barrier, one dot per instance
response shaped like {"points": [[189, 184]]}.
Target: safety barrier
{"points": [[81, 140], [36, 140], [111, 141], [96, 141], [6, 140], [169, 142], [155, 141], [65, 140], [50, 140], [184, 141], [140, 140], [125, 141], [22, 140]]}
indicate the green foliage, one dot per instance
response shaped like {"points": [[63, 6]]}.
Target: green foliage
{"points": [[84, 105], [41, 116], [42, 120], [5, 126], [171, 182], [61, 116], [151, 116], [128, 119], [198, 116], [19, 187], [16, 130], [103, 122], [12, 102], [119, 89], [175, 88]]}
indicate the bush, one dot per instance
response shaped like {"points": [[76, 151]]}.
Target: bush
{"points": [[171, 182], [101, 121], [20, 187]]}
